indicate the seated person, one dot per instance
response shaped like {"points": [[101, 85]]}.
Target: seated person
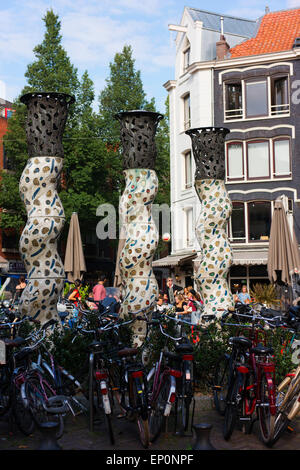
{"points": [[243, 296]]}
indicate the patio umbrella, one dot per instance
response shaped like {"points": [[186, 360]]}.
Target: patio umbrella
{"points": [[283, 254], [74, 257]]}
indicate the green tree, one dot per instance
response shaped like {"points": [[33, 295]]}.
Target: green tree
{"points": [[52, 71]]}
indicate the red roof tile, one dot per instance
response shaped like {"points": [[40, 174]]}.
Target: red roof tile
{"points": [[277, 32]]}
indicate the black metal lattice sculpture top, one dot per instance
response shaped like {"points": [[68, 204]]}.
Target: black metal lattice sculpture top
{"points": [[138, 130], [209, 151], [46, 118]]}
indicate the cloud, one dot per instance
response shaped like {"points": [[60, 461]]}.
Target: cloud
{"points": [[293, 3]]}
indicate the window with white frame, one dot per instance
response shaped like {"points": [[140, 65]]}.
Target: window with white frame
{"points": [[189, 226], [250, 221], [279, 95], [258, 159], [256, 99], [186, 112], [282, 157], [188, 173], [233, 101], [186, 57], [235, 161], [249, 98]]}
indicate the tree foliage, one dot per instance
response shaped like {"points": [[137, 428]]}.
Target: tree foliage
{"points": [[92, 172]]}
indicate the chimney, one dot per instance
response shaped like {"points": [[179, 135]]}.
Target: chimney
{"points": [[222, 47]]}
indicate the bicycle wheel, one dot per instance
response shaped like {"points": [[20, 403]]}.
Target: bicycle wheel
{"points": [[220, 387], [142, 421], [182, 409], [5, 396], [231, 409], [37, 393], [249, 387], [105, 407], [22, 415], [156, 417], [281, 421], [266, 419]]}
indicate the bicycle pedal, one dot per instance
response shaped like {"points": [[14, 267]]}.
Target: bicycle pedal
{"points": [[290, 429]]}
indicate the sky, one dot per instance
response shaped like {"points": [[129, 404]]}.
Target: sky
{"points": [[94, 31]]}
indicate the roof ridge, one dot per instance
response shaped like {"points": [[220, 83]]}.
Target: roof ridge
{"points": [[221, 14]]}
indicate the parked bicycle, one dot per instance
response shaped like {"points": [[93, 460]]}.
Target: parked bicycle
{"points": [[251, 391]]}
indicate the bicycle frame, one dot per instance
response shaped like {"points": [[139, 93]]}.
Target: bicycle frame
{"points": [[159, 378], [259, 367]]}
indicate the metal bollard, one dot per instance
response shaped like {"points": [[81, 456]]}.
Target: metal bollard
{"points": [[202, 441], [49, 441]]}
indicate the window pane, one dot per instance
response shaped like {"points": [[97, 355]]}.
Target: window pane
{"points": [[256, 95], [234, 100], [186, 59], [238, 271], [189, 226], [238, 221], [258, 271], [258, 159], [235, 160], [280, 99], [259, 220], [282, 157], [188, 169], [187, 112]]}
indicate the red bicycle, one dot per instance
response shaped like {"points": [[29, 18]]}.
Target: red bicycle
{"points": [[252, 391]]}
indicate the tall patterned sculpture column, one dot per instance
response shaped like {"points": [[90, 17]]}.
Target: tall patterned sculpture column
{"points": [[212, 268], [46, 118], [139, 286]]}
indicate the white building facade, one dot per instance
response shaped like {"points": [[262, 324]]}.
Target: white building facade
{"points": [[191, 101]]}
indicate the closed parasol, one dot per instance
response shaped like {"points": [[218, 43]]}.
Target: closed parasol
{"points": [[74, 257], [283, 254]]}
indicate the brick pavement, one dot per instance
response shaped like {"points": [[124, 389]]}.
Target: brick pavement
{"points": [[78, 437]]}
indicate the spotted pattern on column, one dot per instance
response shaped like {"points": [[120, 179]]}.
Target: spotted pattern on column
{"points": [[216, 253], [38, 242], [139, 286]]}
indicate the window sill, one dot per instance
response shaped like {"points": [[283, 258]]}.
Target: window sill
{"points": [[267, 180], [258, 118]]}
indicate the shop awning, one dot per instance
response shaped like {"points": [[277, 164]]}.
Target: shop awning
{"points": [[174, 260], [246, 257]]}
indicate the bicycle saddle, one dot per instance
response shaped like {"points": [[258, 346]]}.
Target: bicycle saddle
{"points": [[261, 350], [241, 341], [127, 352], [13, 343], [172, 356], [184, 348]]}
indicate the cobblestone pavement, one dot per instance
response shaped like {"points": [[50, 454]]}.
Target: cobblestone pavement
{"points": [[78, 437]]}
